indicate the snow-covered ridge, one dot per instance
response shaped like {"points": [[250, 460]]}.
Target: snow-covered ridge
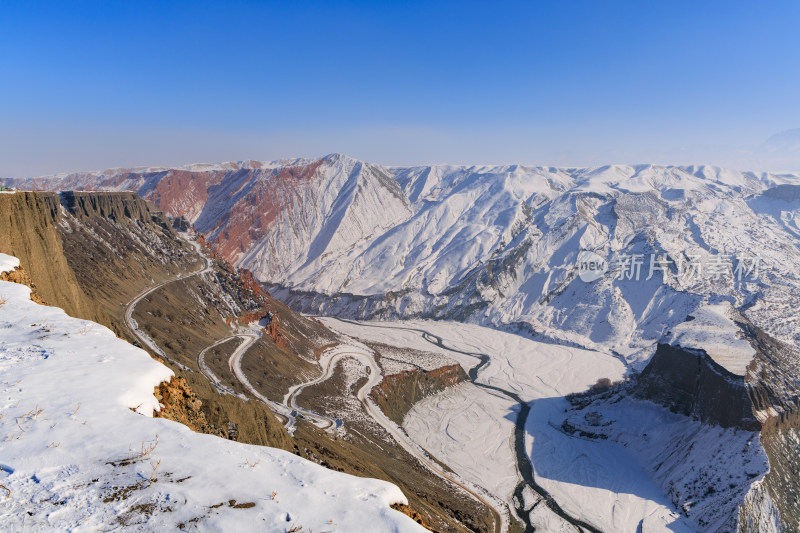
{"points": [[711, 329], [598, 177], [81, 450], [247, 164]]}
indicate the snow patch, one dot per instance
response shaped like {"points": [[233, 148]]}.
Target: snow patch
{"points": [[8, 263], [712, 329]]}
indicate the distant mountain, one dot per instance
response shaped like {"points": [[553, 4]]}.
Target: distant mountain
{"points": [[786, 141]]}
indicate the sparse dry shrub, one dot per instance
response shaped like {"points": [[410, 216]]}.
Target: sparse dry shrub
{"points": [[155, 466], [146, 449]]}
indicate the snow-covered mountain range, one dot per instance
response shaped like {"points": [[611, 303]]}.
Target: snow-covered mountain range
{"points": [[684, 273], [497, 245]]}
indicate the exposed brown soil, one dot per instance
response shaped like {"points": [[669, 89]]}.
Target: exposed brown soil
{"points": [[29, 231], [398, 393], [250, 422]]}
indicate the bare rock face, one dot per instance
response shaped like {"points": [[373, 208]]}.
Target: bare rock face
{"points": [[766, 398], [408, 511], [691, 383], [119, 206], [29, 232], [775, 392], [180, 404]]}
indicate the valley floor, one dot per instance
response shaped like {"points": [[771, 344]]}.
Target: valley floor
{"points": [[605, 482]]}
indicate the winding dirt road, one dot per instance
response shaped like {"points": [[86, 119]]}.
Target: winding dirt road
{"points": [[365, 356], [235, 365], [289, 410], [206, 371], [248, 338], [131, 324]]}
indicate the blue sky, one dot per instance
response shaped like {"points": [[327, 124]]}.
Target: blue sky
{"points": [[90, 85]]}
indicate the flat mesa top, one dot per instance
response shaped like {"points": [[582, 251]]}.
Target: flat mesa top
{"points": [[714, 331]]}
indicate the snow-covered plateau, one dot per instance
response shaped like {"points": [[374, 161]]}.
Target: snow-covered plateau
{"points": [[80, 450]]}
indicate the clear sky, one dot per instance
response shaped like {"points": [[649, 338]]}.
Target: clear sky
{"points": [[88, 85]]}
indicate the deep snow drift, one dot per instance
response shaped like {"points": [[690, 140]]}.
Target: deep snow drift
{"points": [[80, 449]]}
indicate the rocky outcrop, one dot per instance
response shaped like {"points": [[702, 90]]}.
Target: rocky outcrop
{"points": [[179, 403], [18, 275], [273, 329], [249, 282], [775, 394], [398, 393], [408, 511], [224, 416], [121, 207], [691, 383]]}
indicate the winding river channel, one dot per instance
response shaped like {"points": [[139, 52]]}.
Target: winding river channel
{"points": [[523, 461]]}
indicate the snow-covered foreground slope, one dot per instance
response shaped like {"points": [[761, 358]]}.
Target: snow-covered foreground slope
{"points": [[79, 449], [652, 470]]}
